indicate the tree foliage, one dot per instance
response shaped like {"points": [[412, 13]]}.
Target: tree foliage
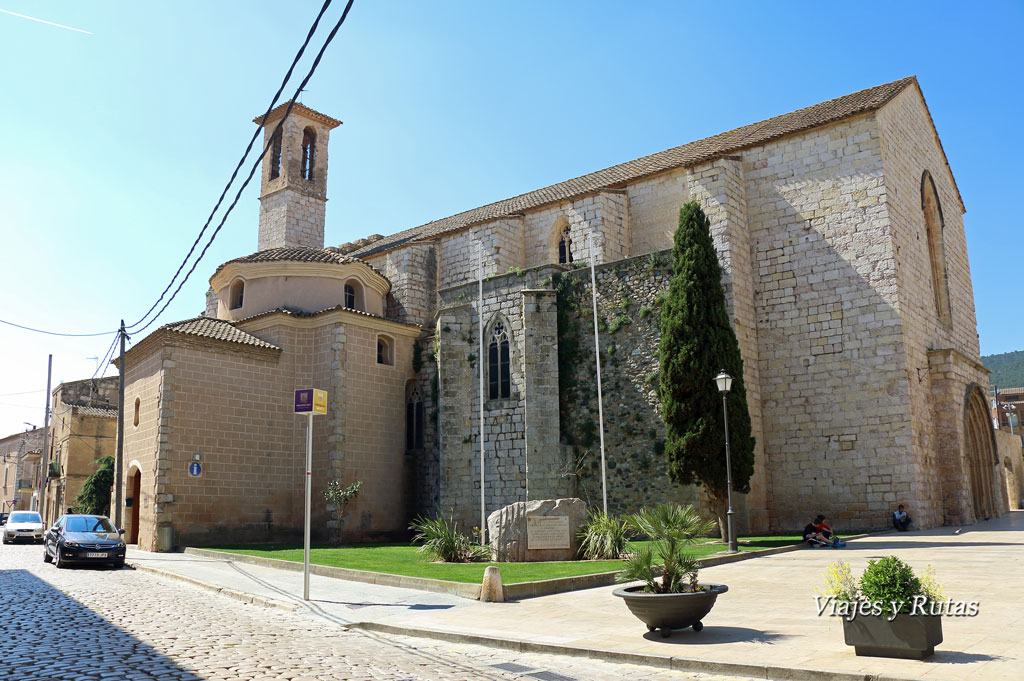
{"points": [[95, 495], [338, 494], [697, 342], [1007, 369]]}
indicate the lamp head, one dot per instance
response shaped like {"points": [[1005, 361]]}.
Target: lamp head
{"points": [[724, 382]]}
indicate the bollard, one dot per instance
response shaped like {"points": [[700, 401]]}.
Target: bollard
{"points": [[491, 590]]}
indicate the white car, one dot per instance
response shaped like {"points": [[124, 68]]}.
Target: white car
{"points": [[23, 526]]}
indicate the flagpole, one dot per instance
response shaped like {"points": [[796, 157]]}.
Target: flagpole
{"points": [[480, 313], [597, 357]]}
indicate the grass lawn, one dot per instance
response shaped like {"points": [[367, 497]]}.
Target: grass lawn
{"points": [[405, 559]]}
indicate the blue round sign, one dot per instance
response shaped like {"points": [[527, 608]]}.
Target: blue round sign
{"points": [[195, 469]]}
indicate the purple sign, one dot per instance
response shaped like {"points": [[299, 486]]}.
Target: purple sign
{"points": [[303, 401]]}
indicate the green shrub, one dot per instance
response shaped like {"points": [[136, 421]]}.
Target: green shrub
{"points": [[645, 312], [885, 581], [619, 322], [441, 540], [604, 537], [95, 495]]}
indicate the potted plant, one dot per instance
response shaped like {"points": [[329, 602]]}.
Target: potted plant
{"points": [[888, 612], [675, 600]]}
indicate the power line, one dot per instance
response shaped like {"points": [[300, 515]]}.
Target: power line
{"points": [[27, 392], [252, 171], [105, 362], [248, 148], [56, 333]]}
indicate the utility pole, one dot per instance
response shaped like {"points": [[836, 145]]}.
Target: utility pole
{"points": [[45, 457], [119, 459]]}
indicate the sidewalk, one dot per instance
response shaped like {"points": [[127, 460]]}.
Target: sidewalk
{"points": [[765, 626]]}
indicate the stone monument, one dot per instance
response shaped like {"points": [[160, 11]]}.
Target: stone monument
{"points": [[528, 531]]}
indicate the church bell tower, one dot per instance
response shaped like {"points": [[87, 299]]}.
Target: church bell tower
{"points": [[293, 192]]}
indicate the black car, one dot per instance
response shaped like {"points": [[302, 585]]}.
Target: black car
{"points": [[3, 518], [78, 538]]}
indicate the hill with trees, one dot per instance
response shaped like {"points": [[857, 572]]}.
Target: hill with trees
{"points": [[1007, 369]]}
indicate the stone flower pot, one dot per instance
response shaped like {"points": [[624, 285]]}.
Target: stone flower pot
{"points": [[911, 637], [671, 611]]}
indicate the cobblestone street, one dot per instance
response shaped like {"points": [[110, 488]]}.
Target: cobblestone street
{"points": [[86, 623]]}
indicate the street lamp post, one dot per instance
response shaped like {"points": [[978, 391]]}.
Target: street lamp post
{"points": [[1010, 410], [724, 382]]}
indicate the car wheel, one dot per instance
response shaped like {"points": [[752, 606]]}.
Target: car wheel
{"points": [[46, 555], [57, 562], [118, 564], [5, 538]]}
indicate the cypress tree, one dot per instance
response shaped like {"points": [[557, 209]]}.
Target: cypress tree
{"points": [[697, 342]]}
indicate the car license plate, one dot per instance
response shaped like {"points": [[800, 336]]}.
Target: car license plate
{"points": [[95, 555]]}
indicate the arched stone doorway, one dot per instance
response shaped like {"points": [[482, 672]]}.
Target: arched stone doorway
{"points": [[135, 494], [980, 453]]}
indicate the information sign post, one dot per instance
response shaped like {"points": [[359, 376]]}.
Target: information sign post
{"points": [[312, 403]]}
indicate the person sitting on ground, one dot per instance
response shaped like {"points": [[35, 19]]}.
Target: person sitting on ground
{"points": [[813, 536], [900, 519], [822, 528]]}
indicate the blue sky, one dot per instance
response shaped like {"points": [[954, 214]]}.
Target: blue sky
{"points": [[116, 144]]}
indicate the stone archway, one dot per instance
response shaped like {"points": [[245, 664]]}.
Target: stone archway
{"points": [[980, 454]]}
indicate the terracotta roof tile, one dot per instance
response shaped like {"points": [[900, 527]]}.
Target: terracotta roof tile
{"points": [[677, 157], [217, 329], [95, 411], [301, 314], [300, 254], [301, 109]]}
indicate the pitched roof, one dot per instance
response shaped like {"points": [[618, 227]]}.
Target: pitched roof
{"points": [[300, 109], [300, 314], [300, 254], [678, 157], [216, 329], [95, 411]]}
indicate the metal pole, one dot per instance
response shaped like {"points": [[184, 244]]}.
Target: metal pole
{"points": [[480, 314], [733, 548], [44, 474], [597, 357], [309, 503], [119, 460]]}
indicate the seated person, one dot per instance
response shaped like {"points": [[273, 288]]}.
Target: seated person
{"points": [[813, 536], [822, 528], [900, 519]]}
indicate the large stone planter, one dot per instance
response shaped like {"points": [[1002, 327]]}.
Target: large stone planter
{"points": [[911, 637], [666, 612]]}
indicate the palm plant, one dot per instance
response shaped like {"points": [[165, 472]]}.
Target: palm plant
{"points": [[441, 540], [671, 528], [603, 537]]}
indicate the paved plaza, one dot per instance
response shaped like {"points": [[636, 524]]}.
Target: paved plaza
{"points": [[86, 624]]}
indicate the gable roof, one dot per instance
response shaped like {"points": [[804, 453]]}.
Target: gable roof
{"points": [[686, 155]]}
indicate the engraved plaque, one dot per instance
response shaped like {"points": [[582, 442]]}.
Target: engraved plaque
{"points": [[547, 532]]}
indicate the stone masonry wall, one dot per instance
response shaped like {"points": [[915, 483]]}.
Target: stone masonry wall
{"points": [[831, 354], [412, 271], [144, 380], [909, 148], [505, 419], [628, 311]]}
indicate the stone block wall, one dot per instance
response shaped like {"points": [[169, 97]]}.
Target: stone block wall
{"points": [[145, 381], [505, 424], [830, 346], [412, 271], [291, 217], [628, 313], [603, 216]]}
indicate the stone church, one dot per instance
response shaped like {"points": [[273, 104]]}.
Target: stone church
{"points": [[840, 234]]}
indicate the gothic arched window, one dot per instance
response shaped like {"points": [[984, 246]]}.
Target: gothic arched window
{"points": [[354, 295], [275, 156], [933, 225], [498, 363], [565, 247], [414, 419], [308, 153]]}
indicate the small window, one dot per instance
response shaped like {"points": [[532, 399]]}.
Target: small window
{"points": [[498, 364], [236, 295], [354, 295], [275, 156], [565, 247], [385, 351], [308, 153], [135, 421]]}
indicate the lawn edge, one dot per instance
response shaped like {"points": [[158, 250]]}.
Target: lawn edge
{"points": [[512, 592]]}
